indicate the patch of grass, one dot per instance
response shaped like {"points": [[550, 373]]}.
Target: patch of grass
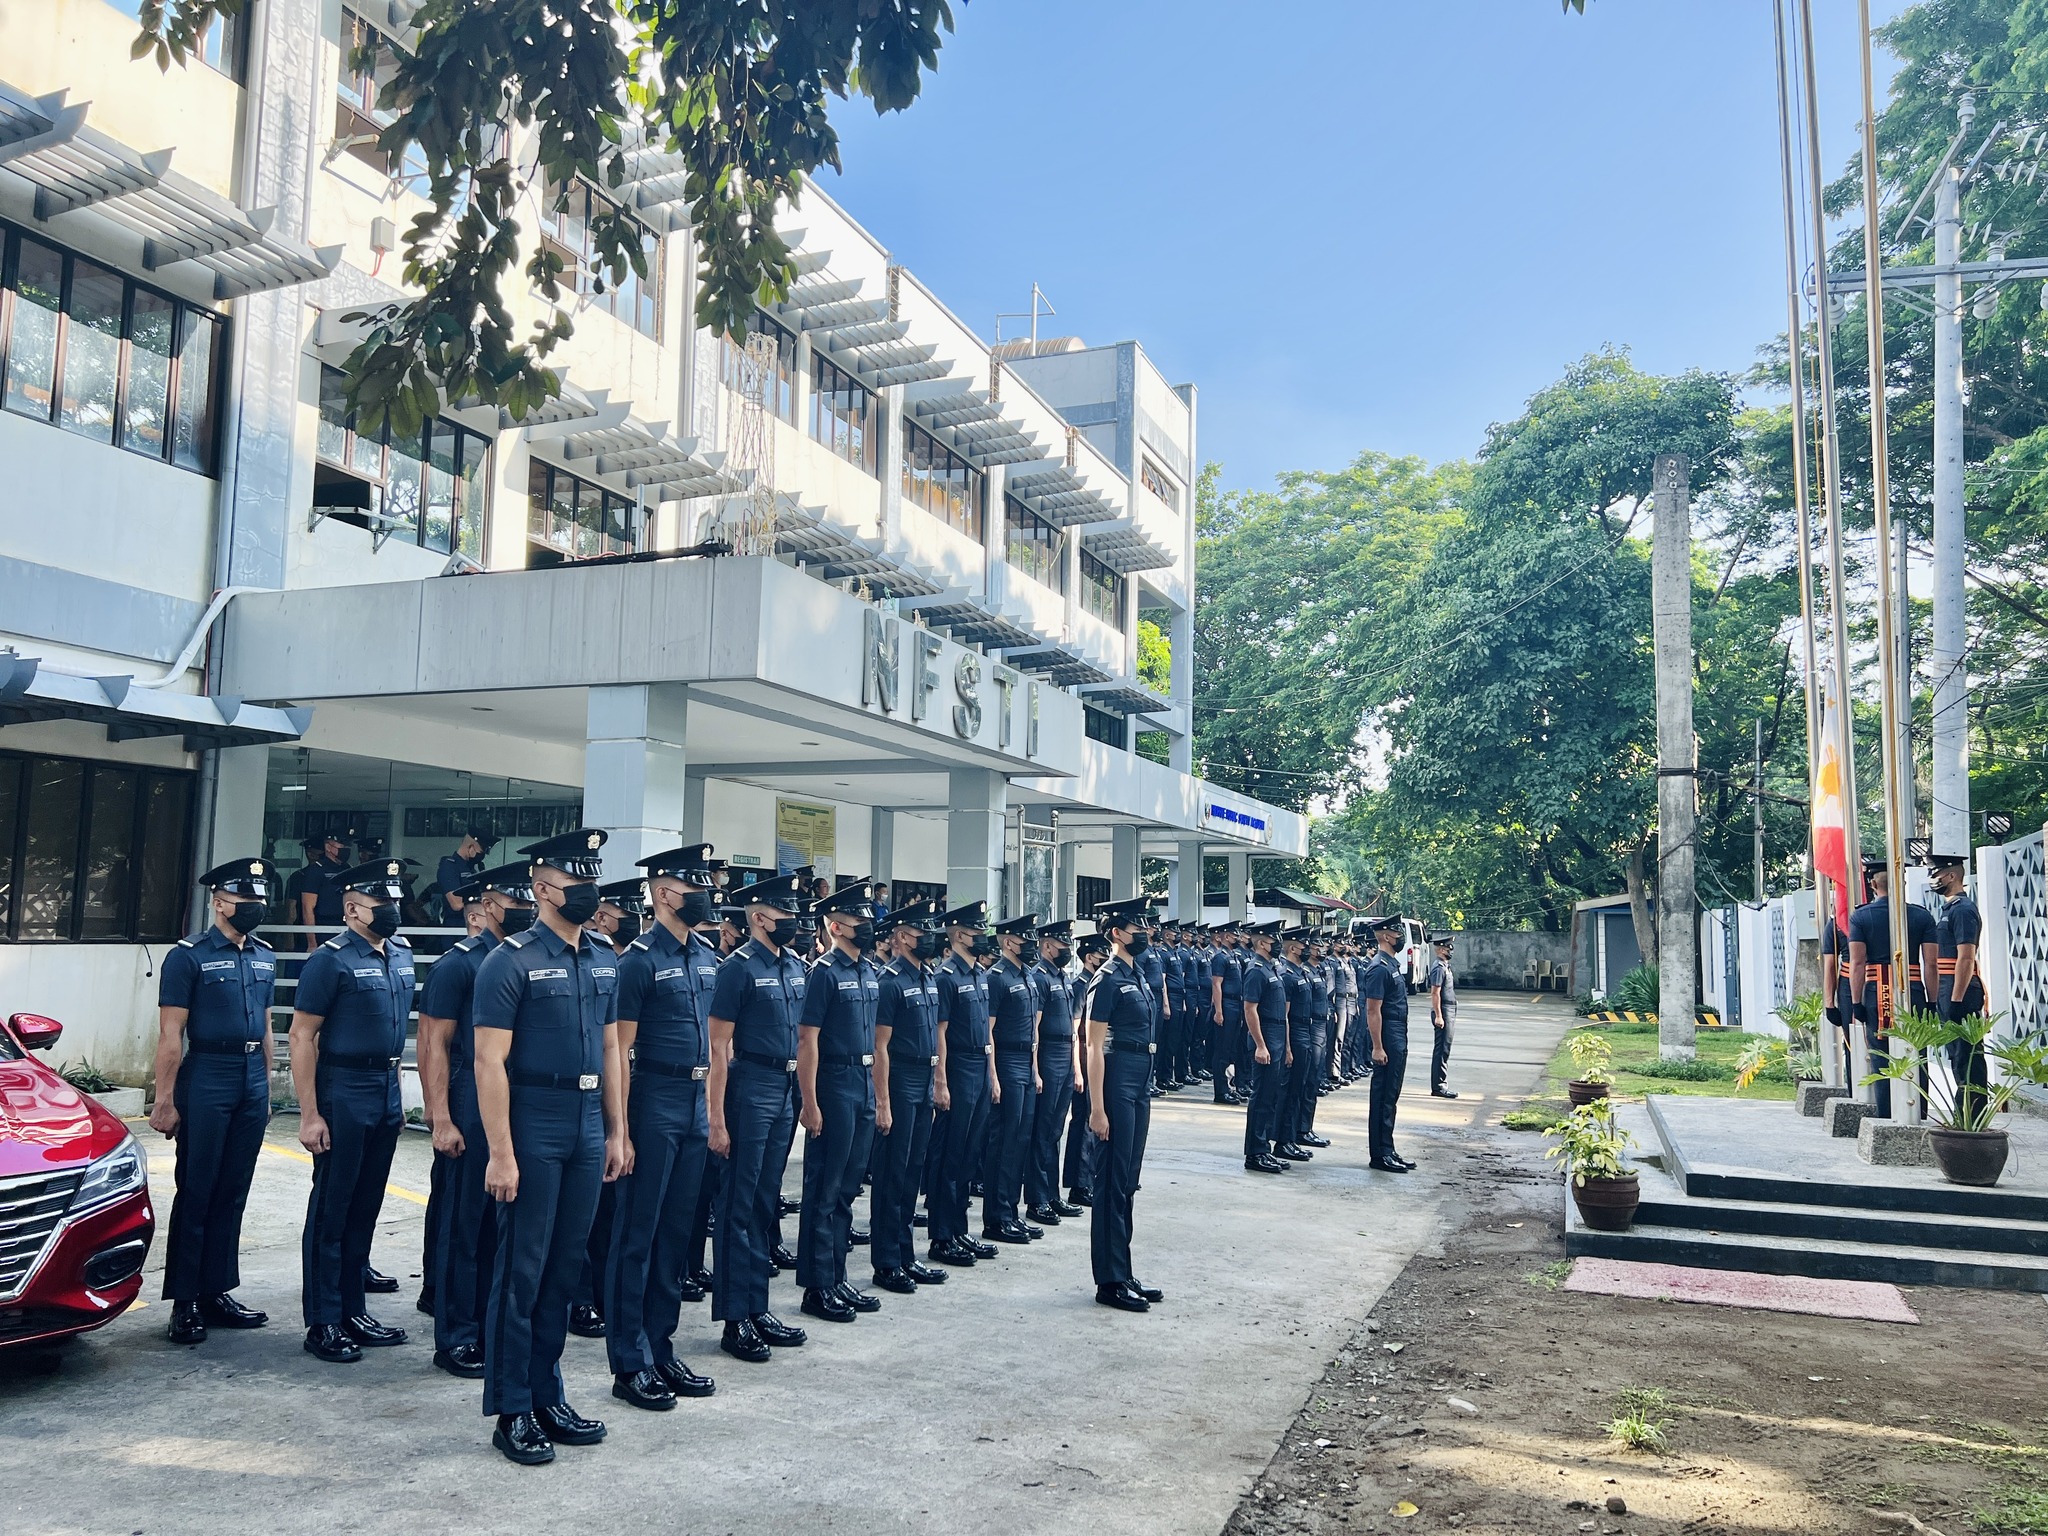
{"points": [[1638, 1071], [1540, 1115], [1889, 1495], [1641, 1419], [1551, 1276], [1699, 1070], [2014, 1511]]}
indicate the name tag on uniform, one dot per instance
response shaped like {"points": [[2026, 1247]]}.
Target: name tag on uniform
{"points": [[849, 986], [1126, 987], [671, 973], [553, 973], [262, 965], [376, 971], [766, 981], [217, 965], [604, 970], [709, 972]]}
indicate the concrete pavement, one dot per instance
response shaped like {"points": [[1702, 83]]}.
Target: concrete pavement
{"points": [[1005, 1399]]}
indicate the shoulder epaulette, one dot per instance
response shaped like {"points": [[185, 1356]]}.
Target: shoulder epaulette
{"points": [[467, 944], [521, 940], [261, 942], [333, 943], [191, 943], [640, 944], [401, 942]]}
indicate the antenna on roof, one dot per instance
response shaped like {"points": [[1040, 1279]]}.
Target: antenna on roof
{"points": [[1037, 297]]}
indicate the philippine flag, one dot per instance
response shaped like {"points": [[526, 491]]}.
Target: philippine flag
{"points": [[1830, 835]]}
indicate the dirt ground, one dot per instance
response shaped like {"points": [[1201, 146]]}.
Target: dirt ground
{"points": [[1476, 1397]]}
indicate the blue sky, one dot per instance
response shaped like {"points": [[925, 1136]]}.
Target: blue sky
{"points": [[1355, 223]]}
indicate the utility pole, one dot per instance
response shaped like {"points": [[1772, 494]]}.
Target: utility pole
{"points": [[1677, 756], [1757, 800], [1950, 823]]}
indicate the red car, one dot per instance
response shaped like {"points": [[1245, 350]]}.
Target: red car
{"points": [[75, 1218]]}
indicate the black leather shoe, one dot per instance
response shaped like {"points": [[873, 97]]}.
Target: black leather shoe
{"points": [[1264, 1163], [1379, 1165], [858, 1238], [981, 1250], [924, 1274], [643, 1389], [464, 1360], [223, 1311], [898, 1280], [1123, 1297], [949, 1250], [1063, 1210], [370, 1333], [1152, 1294], [1406, 1163], [787, 1206], [1080, 1198], [565, 1426], [327, 1342], [701, 1277], [781, 1258], [692, 1291], [187, 1326], [1442, 1093], [1311, 1139], [1008, 1232], [521, 1438], [826, 1306], [1044, 1215], [1034, 1233], [776, 1332], [683, 1381], [920, 1220], [859, 1300], [424, 1303], [1293, 1154], [585, 1321], [377, 1282], [742, 1342]]}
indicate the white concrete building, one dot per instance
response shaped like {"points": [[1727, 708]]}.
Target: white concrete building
{"points": [[227, 619]]}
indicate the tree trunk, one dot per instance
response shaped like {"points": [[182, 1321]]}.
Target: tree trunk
{"points": [[1639, 902]]}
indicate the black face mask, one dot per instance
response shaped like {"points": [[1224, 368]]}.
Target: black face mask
{"points": [[516, 920], [696, 910], [929, 945], [579, 903], [1138, 943], [983, 946], [1058, 957], [248, 916], [863, 935], [385, 918], [783, 932], [628, 930]]}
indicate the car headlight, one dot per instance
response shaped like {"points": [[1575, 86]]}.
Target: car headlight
{"points": [[119, 1173]]}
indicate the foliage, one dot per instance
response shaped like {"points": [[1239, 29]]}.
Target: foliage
{"points": [[1591, 1053], [1551, 1275], [1639, 1422], [2021, 1063], [1796, 1058], [2016, 1510], [1536, 1115], [86, 1077], [738, 89], [1591, 1144], [1155, 656], [1637, 992], [1690, 1069]]}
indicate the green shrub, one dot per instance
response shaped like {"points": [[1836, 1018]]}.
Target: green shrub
{"points": [[1636, 992], [1695, 1071], [87, 1078]]}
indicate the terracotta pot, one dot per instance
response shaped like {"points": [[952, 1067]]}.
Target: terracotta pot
{"points": [[1582, 1092], [1608, 1205], [1969, 1157]]}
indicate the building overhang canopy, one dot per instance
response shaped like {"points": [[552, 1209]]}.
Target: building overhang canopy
{"points": [[974, 426], [130, 711], [1060, 496], [635, 455], [1125, 550], [1125, 697], [809, 536], [1057, 664], [968, 621]]}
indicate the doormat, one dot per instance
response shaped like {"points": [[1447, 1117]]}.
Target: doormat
{"points": [[1871, 1299]]}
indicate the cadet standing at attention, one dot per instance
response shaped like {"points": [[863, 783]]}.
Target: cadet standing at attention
{"points": [[1013, 1006], [1443, 1010], [1265, 1018], [835, 1063], [1120, 1051], [1165, 948], [1226, 1010], [1152, 967], [909, 1071], [457, 870], [755, 1006], [213, 1094], [621, 913], [970, 1083], [665, 983], [1959, 992], [318, 897], [347, 1039], [1056, 1075], [553, 1110], [1300, 1047], [1873, 975], [1079, 1165], [1384, 993]]}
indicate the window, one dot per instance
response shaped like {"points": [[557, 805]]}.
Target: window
{"points": [[1034, 546], [1090, 892], [223, 40], [1102, 591], [92, 851], [91, 351], [435, 486], [571, 519], [1103, 726], [778, 389], [368, 61], [565, 229], [1159, 483], [940, 481], [843, 416]]}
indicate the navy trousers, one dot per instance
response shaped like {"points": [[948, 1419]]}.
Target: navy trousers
{"points": [[899, 1164], [655, 1205], [430, 1229], [706, 1215], [1082, 1147], [223, 1105], [1010, 1126], [363, 1122], [1262, 1120], [1440, 1054], [758, 1116], [1126, 1093], [1048, 1119], [466, 1248], [597, 1252], [1386, 1089], [1221, 1043], [1302, 1080], [966, 1129], [833, 1161], [543, 1237], [778, 1168]]}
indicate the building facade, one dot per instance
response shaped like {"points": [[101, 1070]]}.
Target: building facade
{"points": [[865, 594]]}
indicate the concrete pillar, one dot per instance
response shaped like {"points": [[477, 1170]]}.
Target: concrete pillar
{"points": [[976, 801], [230, 826], [634, 783], [1123, 862], [882, 845], [693, 809], [1187, 884], [1240, 885], [1063, 882]]}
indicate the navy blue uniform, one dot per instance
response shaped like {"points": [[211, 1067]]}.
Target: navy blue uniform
{"points": [[1870, 926], [958, 1132], [1961, 923], [1383, 980], [1301, 1046], [840, 1004], [454, 871], [555, 1000], [463, 1244], [1152, 968], [1266, 990], [222, 1095], [665, 989], [362, 996], [1227, 966], [1173, 995], [1013, 1009], [1056, 1083], [907, 1006], [1122, 1001], [762, 993], [1079, 1166]]}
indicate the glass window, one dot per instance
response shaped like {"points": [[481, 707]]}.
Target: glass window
{"points": [[429, 482], [1100, 725], [152, 319], [565, 227], [401, 507], [473, 489], [574, 519], [1102, 591], [92, 351], [49, 861], [195, 432], [109, 849], [331, 442], [92, 851], [166, 813], [1033, 546], [778, 385], [843, 415], [36, 301], [1159, 483], [369, 60], [438, 531], [940, 481]]}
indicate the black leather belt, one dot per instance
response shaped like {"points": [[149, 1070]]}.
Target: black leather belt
{"points": [[1013, 1050], [362, 1063], [224, 1047], [670, 1069], [848, 1061], [912, 1058], [773, 1063], [587, 1083], [1135, 1046]]}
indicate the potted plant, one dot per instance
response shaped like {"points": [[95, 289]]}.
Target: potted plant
{"points": [[1968, 1148], [1595, 1150], [1593, 1055]]}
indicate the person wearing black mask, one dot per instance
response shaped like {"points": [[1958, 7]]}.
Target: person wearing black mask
{"points": [[213, 1095], [1057, 1073], [970, 1074], [621, 905], [1121, 1019], [909, 1077], [347, 1038]]}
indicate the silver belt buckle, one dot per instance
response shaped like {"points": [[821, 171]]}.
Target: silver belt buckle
{"points": [[249, 1047], [697, 1074], [397, 1061], [933, 1062], [587, 1081], [790, 1065], [868, 1060], [1151, 1049]]}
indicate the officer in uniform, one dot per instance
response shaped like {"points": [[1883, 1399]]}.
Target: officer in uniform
{"points": [[1226, 1012], [1078, 1167], [1959, 992], [806, 949], [347, 1038], [666, 979], [464, 1244], [971, 1082], [553, 1110], [909, 1073], [317, 899], [1056, 1075], [1265, 1020], [1165, 949], [1344, 1007], [213, 1094], [1384, 993], [1300, 1038], [701, 916], [621, 915], [1152, 966], [1314, 1074], [756, 1004], [1443, 1008], [1358, 1060], [1013, 1003], [1873, 976], [1121, 1018], [469, 898], [457, 870]]}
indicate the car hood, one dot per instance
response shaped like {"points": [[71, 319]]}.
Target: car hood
{"points": [[46, 1124]]}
